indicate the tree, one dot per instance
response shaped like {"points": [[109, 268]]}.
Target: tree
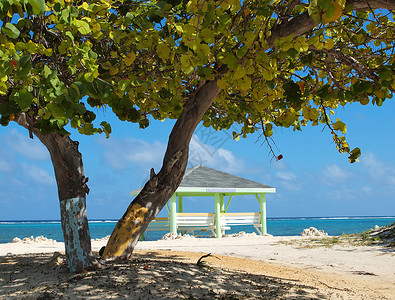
{"points": [[46, 68], [261, 64], [52, 53]]}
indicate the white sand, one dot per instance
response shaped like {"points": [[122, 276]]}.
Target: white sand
{"points": [[341, 259]]}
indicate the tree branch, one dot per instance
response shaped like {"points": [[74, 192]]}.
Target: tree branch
{"points": [[303, 22]]}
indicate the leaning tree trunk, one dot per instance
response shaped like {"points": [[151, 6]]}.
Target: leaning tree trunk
{"points": [[158, 190], [72, 190]]}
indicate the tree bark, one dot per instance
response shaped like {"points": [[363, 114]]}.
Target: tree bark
{"points": [[72, 190], [160, 187]]}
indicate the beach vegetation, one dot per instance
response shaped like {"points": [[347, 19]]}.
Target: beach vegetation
{"points": [[383, 236], [261, 64]]}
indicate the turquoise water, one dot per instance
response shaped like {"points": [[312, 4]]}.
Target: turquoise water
{"points": [[276, 226]]}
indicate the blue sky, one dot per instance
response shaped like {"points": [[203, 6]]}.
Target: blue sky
{"points": [[313, 179]]}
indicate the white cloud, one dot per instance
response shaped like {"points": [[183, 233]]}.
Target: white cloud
{"points": [[288, 180], [379, 171], [343, 193], [37, 174], [213, 157], [287, 176], [333, 174], [30, 148], [5, 166], [123, 152]]}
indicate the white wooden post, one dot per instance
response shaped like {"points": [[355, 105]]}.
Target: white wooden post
{"points": [[180, 204], [218, 231], [262, 204], [222, 202], [222, 207], [173, 214]]}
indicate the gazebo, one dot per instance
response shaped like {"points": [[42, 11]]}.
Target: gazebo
{"points": [[201, 181]]}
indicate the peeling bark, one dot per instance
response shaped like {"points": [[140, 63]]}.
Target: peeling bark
{"points": [[72, 190]]}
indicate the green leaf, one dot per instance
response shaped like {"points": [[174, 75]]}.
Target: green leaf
{"points": [[242, 51], [163, 51], [86, 129], [38, 6], [83, 27], [385, 74], [245, 83], [106, 128], [24, 99], [339, 125], [69, 34], [55, 110], [186, 65], [25, 66], [129, 59], [11, 31], [46, 71], [268, 130], [231, 60], [239, 73], [354, 154]]}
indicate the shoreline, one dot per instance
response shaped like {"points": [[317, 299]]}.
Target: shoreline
{"points": [[334, 226]]}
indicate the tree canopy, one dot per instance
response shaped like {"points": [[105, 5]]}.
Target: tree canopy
{"points": [[278, 63]]}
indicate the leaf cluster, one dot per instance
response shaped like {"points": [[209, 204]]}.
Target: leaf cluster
{"points": [[277, 63]]}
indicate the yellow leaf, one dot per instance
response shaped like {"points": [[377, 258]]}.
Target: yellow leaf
{"points": [[113, 70], [163, 51], [129, 59], [364, 101], [240, 73], [336, 15], [222, 84], [245, 83], [329, 44]]}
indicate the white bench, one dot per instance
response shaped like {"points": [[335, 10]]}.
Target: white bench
{"points": [[254, 219], [200, 222]]}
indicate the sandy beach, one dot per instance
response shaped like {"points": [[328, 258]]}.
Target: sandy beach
{"points": [[241, 267]]}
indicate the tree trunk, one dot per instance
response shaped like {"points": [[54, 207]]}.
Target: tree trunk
{"points": [[158, 190], [72, 190]]}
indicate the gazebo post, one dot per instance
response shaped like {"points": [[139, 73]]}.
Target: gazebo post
{"points": [[222, 202], [218, 231], [173, 213], [262, 204], [180, 208]]}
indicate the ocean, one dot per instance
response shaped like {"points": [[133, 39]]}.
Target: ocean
{"points": [[275, 226]]}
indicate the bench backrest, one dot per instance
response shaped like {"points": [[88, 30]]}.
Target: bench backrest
{"points": [[195, 219], [240, 218]]}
